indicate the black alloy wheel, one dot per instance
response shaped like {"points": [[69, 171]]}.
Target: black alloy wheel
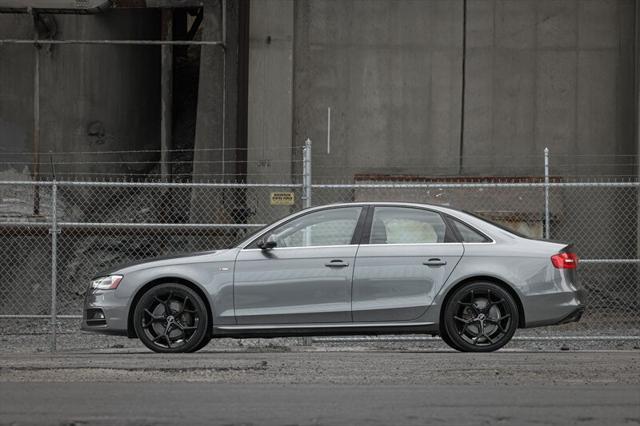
{"points": [[480, 317], [172, 318]]}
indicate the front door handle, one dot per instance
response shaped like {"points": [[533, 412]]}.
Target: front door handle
{"points": [[435, 262], [336, 263]]}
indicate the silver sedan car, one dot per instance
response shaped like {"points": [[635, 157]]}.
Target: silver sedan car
{"points": [[357, 268]]}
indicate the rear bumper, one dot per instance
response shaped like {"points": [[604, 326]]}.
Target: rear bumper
{"points": [[554, 308], [573, 316]]}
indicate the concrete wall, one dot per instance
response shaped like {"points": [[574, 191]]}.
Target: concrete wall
{"points": [[390, 71], [551, 73], [557, 74], [117, 86]]}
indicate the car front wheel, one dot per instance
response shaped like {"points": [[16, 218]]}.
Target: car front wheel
{"points": [[480, 317], [171, 318]]}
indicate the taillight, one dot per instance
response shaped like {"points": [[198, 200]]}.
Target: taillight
{"points": [[565, 260]]}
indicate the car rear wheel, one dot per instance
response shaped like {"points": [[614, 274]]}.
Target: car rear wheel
{"points": [[480, 317], [445, 337], [202, 344], [171, 318]]}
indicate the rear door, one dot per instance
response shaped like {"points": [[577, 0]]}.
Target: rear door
{"points": [[402, 264]]}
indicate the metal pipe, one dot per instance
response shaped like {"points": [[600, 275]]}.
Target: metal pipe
{"points": [[174, 226], [480, 185], [637, 117], [36, 119], [119, 42], [181, 185], [547, 220], [166, 93], [24, 225], [224, 21], [224, 91], [306, 201], [54, 264], [336, 186], [463, 82], [306, 174]]}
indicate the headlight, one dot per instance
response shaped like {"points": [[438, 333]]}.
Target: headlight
{"points": [[106, 283]]}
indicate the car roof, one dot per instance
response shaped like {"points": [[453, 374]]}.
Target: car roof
{"points": [[388, 203]]}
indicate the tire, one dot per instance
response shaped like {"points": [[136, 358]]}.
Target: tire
{"points": [[445, 337], [172, 318], [202, 344], [479, 317]]}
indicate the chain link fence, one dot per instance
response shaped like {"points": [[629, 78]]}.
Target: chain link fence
{"points": [[599, 217], [55, 236]]}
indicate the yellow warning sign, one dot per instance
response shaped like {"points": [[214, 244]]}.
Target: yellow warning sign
{"points": [[282, 198]]}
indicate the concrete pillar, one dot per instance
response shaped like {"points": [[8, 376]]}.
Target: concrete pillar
{"points": [[216, 124], [209, 122], [270, 106]]}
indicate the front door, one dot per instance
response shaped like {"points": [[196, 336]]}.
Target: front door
{"points": [[306, 277], [406, 262]]}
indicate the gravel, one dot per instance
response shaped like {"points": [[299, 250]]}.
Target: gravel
{"points": [[33, 336]]}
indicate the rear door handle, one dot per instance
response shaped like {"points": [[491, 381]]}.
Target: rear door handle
{"points": [[336, 263], [435, 262]]}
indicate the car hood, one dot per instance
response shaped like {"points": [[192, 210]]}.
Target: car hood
{"points": [[204, 256]]}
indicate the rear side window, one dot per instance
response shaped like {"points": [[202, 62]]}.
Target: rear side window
{"points": [[468, 234], [400, 225]]}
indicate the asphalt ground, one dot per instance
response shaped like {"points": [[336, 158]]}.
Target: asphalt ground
{"points": [[321, 385]]}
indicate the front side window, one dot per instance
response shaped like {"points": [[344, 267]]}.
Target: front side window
{"points": [[402, 225], [323, 228]]}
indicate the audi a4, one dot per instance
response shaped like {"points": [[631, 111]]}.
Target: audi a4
{"points": [[347, 269]]}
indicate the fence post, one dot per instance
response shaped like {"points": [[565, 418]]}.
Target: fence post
{"points": [[547, 220], [54, 262], [306, 197], [306, 174]]}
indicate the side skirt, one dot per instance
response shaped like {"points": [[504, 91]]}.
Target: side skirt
{"points": [[300, 330]]}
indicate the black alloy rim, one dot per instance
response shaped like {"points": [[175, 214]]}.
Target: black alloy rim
{"points": [[482, 317], [170, 320]]}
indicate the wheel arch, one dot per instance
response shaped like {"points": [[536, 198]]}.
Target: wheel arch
{"points": [[485, 278], [166, 280]]}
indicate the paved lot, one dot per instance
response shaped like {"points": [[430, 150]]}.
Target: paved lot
{"points": [[316, 386]]}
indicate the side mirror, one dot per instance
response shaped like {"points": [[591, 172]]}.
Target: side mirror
{"points": [[267, 245]]}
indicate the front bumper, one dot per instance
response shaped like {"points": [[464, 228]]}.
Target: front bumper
{"points": [[114, 312]]}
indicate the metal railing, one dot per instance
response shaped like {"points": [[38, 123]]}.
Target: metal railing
{"points": [[48, 256]]}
